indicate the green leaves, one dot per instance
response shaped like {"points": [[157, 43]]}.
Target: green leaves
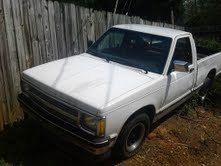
{"points": [[202, 12]]}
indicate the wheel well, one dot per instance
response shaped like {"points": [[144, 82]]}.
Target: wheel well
{"points": [[212, 74], [149, 110]]}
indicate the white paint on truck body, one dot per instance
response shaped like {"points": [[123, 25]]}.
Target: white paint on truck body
{"points": [[88, 80], [116, 91]]}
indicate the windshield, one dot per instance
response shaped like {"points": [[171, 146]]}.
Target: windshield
{"points": [[135, 49]]}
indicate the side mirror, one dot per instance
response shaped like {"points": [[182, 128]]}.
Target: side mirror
{"points": [[180, 66], [89, 43]]}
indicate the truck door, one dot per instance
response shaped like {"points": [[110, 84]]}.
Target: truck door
{"points": [[180, 84]]}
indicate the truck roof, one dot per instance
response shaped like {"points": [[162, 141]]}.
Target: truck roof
{"points": [[162, 31]]}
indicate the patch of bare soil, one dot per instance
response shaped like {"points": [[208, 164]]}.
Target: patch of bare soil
{"points": [[183, 140]]}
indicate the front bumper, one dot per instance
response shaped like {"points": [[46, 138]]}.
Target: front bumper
{"points": [[66, 132]]}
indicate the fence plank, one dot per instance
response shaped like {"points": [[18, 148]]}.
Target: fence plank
{"points": [[146, 22], [85, 17], [67, 27], [80, 30], [128, 20], [96, 31], [74, 30], [13, 73], [168, 25], [40, 31], [116, 19], [22, 8], [24, 5], [90, 26], [155, 23], [110, 21], [33, 33], [2, 106], [51, 14], [4, 89], [47, 34], [100, 23], [60, 30], [18, 34]]}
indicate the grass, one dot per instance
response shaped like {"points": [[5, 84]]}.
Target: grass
{"points": [[188, 107]]}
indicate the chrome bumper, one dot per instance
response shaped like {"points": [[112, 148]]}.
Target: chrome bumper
{"points": [[66, 132]]}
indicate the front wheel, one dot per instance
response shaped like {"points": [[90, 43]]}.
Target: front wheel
{"points": [[132, 136]]}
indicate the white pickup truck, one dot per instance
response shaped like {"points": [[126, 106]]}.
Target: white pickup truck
{"points": [[107, 98]]}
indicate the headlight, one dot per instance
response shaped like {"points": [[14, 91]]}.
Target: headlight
{"points": [[93, 124]]}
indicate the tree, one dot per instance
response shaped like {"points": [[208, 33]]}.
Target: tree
{"points": [[202, 12], [155, 10]]}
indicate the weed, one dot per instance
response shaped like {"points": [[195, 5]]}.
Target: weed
{"points": [[3, 163], [188, 107], [208, 43]]}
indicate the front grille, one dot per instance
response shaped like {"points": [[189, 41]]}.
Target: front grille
{"points": [[54, 123], [53, 107]]}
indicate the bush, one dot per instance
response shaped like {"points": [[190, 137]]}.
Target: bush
{"points": [[208, 43], [3, 163]]}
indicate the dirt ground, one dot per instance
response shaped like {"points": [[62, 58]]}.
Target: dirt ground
{"points": [[193, 138]]}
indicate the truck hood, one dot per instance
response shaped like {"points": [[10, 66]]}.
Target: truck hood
{"points": [[86, 81]]}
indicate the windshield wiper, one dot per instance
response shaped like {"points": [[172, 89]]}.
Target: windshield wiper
{"points": [[130, 65], [98, 55], [106, 58], [133, 68], [124, 62], [139, 69]]}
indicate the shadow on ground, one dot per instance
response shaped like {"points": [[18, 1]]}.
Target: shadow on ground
{"points": [[25, 143]]}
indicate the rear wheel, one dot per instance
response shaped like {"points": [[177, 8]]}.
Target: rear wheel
{"points": [[205, 89], [132, 136]]}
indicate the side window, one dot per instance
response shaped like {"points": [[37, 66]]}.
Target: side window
{"points": [[182, 52]]}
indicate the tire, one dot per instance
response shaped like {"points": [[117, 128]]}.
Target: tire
{"points": [[132, 136], [203, 92]]}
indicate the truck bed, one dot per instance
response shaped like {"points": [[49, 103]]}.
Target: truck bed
{"points": [[203, 52], [207, 61]]}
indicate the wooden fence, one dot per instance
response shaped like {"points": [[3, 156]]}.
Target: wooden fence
{"points": [[33, 32]]}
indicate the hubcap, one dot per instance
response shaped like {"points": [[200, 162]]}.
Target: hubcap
{"points": [[135, 137]]}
